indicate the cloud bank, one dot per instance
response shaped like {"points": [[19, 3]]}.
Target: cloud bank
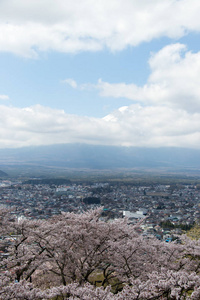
{"points": [[174, 81], [30, 27], [129, 126], [165, 111]]}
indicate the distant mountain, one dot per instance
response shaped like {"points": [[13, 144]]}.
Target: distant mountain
{"points": [[3, 174], [101, 157]]}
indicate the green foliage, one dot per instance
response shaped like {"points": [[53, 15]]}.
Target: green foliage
{"points": [[168, 224], [194, 232]]}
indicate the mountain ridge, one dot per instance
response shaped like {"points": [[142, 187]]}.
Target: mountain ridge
{"points": [[3, 174], [101, 157]]}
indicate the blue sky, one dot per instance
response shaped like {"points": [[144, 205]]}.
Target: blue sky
{"points": [[41, 80], [109, 73]]}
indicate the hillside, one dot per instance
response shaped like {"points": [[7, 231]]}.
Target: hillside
{"points": [[194, 233], [3, 174]]}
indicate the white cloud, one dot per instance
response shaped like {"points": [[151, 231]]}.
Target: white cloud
{"points": [[174, 81], [4, 97], [169, 114], [71, 82], [128, 126], [69, 26], [84, 86]]}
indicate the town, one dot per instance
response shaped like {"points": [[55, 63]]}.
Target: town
{"points": [[164, 209]]}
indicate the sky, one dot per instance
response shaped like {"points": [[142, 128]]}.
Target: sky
{"points": [[122, 73]]}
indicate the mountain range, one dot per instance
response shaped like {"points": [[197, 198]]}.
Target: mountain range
{"points": [[3, 174], [101, 157]]}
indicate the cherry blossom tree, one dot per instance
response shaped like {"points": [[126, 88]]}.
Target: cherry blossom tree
{"points": [[78, 256]]}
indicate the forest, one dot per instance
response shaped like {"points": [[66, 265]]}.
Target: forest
{"points": [[79, 256]]}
